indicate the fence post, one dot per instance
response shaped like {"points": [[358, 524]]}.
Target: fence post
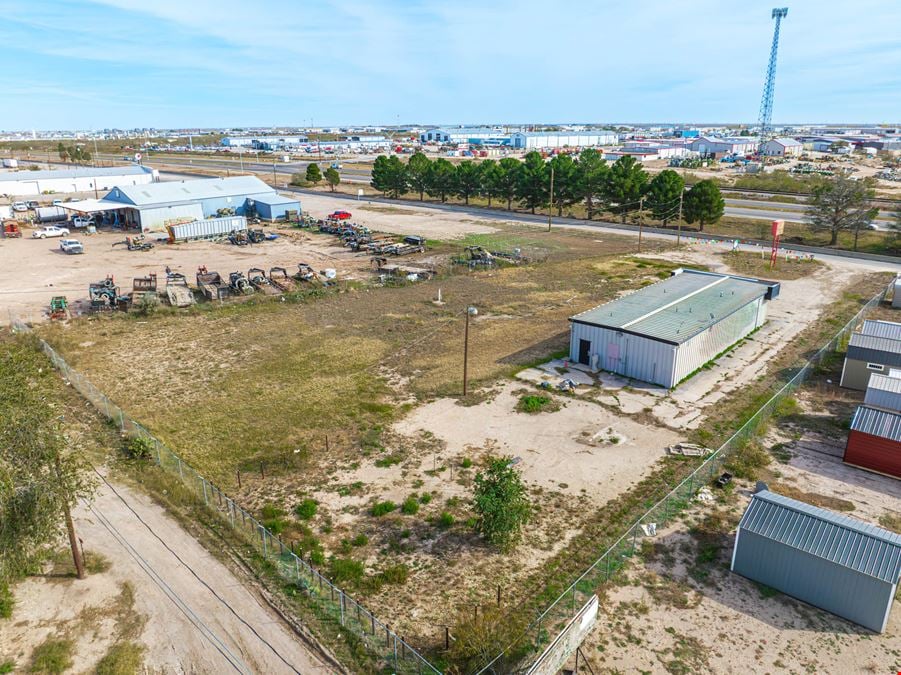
{"points": [[203, 482], [395, 653], [180, 473], [341, 605]]}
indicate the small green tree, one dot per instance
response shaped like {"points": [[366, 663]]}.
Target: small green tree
{"points": [[417, 173], [501, 503], [332, 177], [63, 153], [389, 176], [567, 187], [663, 194], [469, 179], [441, 179], [534, 181], [489, 171], [625, 184], [314, 175], [703, 204]]}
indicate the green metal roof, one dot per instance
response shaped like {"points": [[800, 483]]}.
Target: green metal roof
{"points": [[678, 308]]}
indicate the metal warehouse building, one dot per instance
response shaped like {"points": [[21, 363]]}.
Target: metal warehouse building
{"points": [[153, 207], [82, 179], [869, 353], [562, 139], [666, 331], [884, 391], [874, 442], [834, 562]]}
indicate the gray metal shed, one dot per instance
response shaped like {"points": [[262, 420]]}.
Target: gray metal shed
{"points": [[879, 328], [664, 332], [867, 355], [840, 564], [884, 391]]}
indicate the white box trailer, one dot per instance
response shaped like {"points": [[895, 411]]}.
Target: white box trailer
{"points": [[10, 163], [211, 228]]}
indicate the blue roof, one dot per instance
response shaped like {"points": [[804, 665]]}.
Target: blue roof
{"points": [[175, 192], [77, 172], [841, 540], [274, 199]]}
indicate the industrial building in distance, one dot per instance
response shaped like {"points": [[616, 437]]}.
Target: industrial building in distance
{"points": [[840, 564], [152, 208], [665, 332], [80, 179]]}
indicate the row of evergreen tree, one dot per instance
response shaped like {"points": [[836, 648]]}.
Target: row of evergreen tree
{"points": [[621, 187]]}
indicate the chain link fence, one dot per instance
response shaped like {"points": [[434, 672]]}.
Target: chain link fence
{"points": [[550, 621], [379, 639]]}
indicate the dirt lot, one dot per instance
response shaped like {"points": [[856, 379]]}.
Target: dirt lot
{"points": [[162, 592]]}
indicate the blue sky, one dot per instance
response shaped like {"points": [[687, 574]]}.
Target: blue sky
{"points": [[166, 63]]}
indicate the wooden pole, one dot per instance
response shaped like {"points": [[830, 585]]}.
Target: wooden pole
{"points": [[640, 221], [679, 226], [550, 208], [466, 352], [70, 529]]}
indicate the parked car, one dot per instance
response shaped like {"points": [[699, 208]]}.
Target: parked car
{"points": [[56, 202], [20, 206], [341, 215], [71, 246], [31, 204], [82, 221], [50, 231]]}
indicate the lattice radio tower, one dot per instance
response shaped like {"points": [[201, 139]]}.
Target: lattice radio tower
{"points": [[765, 122]]}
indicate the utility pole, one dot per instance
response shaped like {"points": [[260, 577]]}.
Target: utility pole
{"points": [[679, 226], [274, 179], [550, 207], [470, 311], [640, 221]]}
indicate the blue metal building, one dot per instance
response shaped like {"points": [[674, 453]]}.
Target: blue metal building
{"points": [[845, 566], [153, 207], [275, 206]]}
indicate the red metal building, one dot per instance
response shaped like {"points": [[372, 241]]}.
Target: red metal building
{"points": [[874, 442]]}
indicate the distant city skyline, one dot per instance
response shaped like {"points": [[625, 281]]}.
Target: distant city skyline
{"points": [[94, 64]]}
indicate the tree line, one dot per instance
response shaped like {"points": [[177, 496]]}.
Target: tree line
{"points": [[622, 187]]}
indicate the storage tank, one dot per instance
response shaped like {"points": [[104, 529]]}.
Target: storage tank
{"points": [[51, 214]]}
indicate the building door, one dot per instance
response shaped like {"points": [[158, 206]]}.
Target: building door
{"points": [[613, 357], [584, 348]]}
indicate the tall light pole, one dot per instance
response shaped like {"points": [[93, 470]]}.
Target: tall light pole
{"points": [[470, 311], [550, 207]]}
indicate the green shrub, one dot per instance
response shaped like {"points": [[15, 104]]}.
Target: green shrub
{"points": [[306, 509], [425, 498], [748, 460], [345, 571], [445, 520], [272, 518], [124, 658], [395, 574], [501, 502], [388, 460], [7, 601], [317, 556], [535, 403], [382, 508], [360, 540], [52, 656], [7, 667], [410, 506], [138, 447], [466, 463]]}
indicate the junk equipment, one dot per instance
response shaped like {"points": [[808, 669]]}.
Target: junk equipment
{"points": [[211, 284], [306, 273], [278, 277], [177, 290], [11, 229], [141, 286], [260, 281], [475, 256], [104, 296], [59, 308], [138, 243], [238, 284]]}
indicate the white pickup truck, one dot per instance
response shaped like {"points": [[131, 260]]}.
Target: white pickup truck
{"points": [[50, 231], [71, 246]]}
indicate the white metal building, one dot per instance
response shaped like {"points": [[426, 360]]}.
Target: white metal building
{"points": [[707, 145], [664, 332], [539, 140], [783, 147], [488, 135], [82, 179]]}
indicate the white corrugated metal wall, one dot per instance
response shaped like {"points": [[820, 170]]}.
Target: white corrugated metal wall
{"points": [[704, 346], [630, 355], [156, 219]]}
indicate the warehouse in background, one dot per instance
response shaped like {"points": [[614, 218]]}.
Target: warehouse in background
{"points": [[665, 332], [539, 140], [845, 566], [81, 179]]}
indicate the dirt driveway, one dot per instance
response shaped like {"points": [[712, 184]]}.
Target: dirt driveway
{"points": [[200, 617]]}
